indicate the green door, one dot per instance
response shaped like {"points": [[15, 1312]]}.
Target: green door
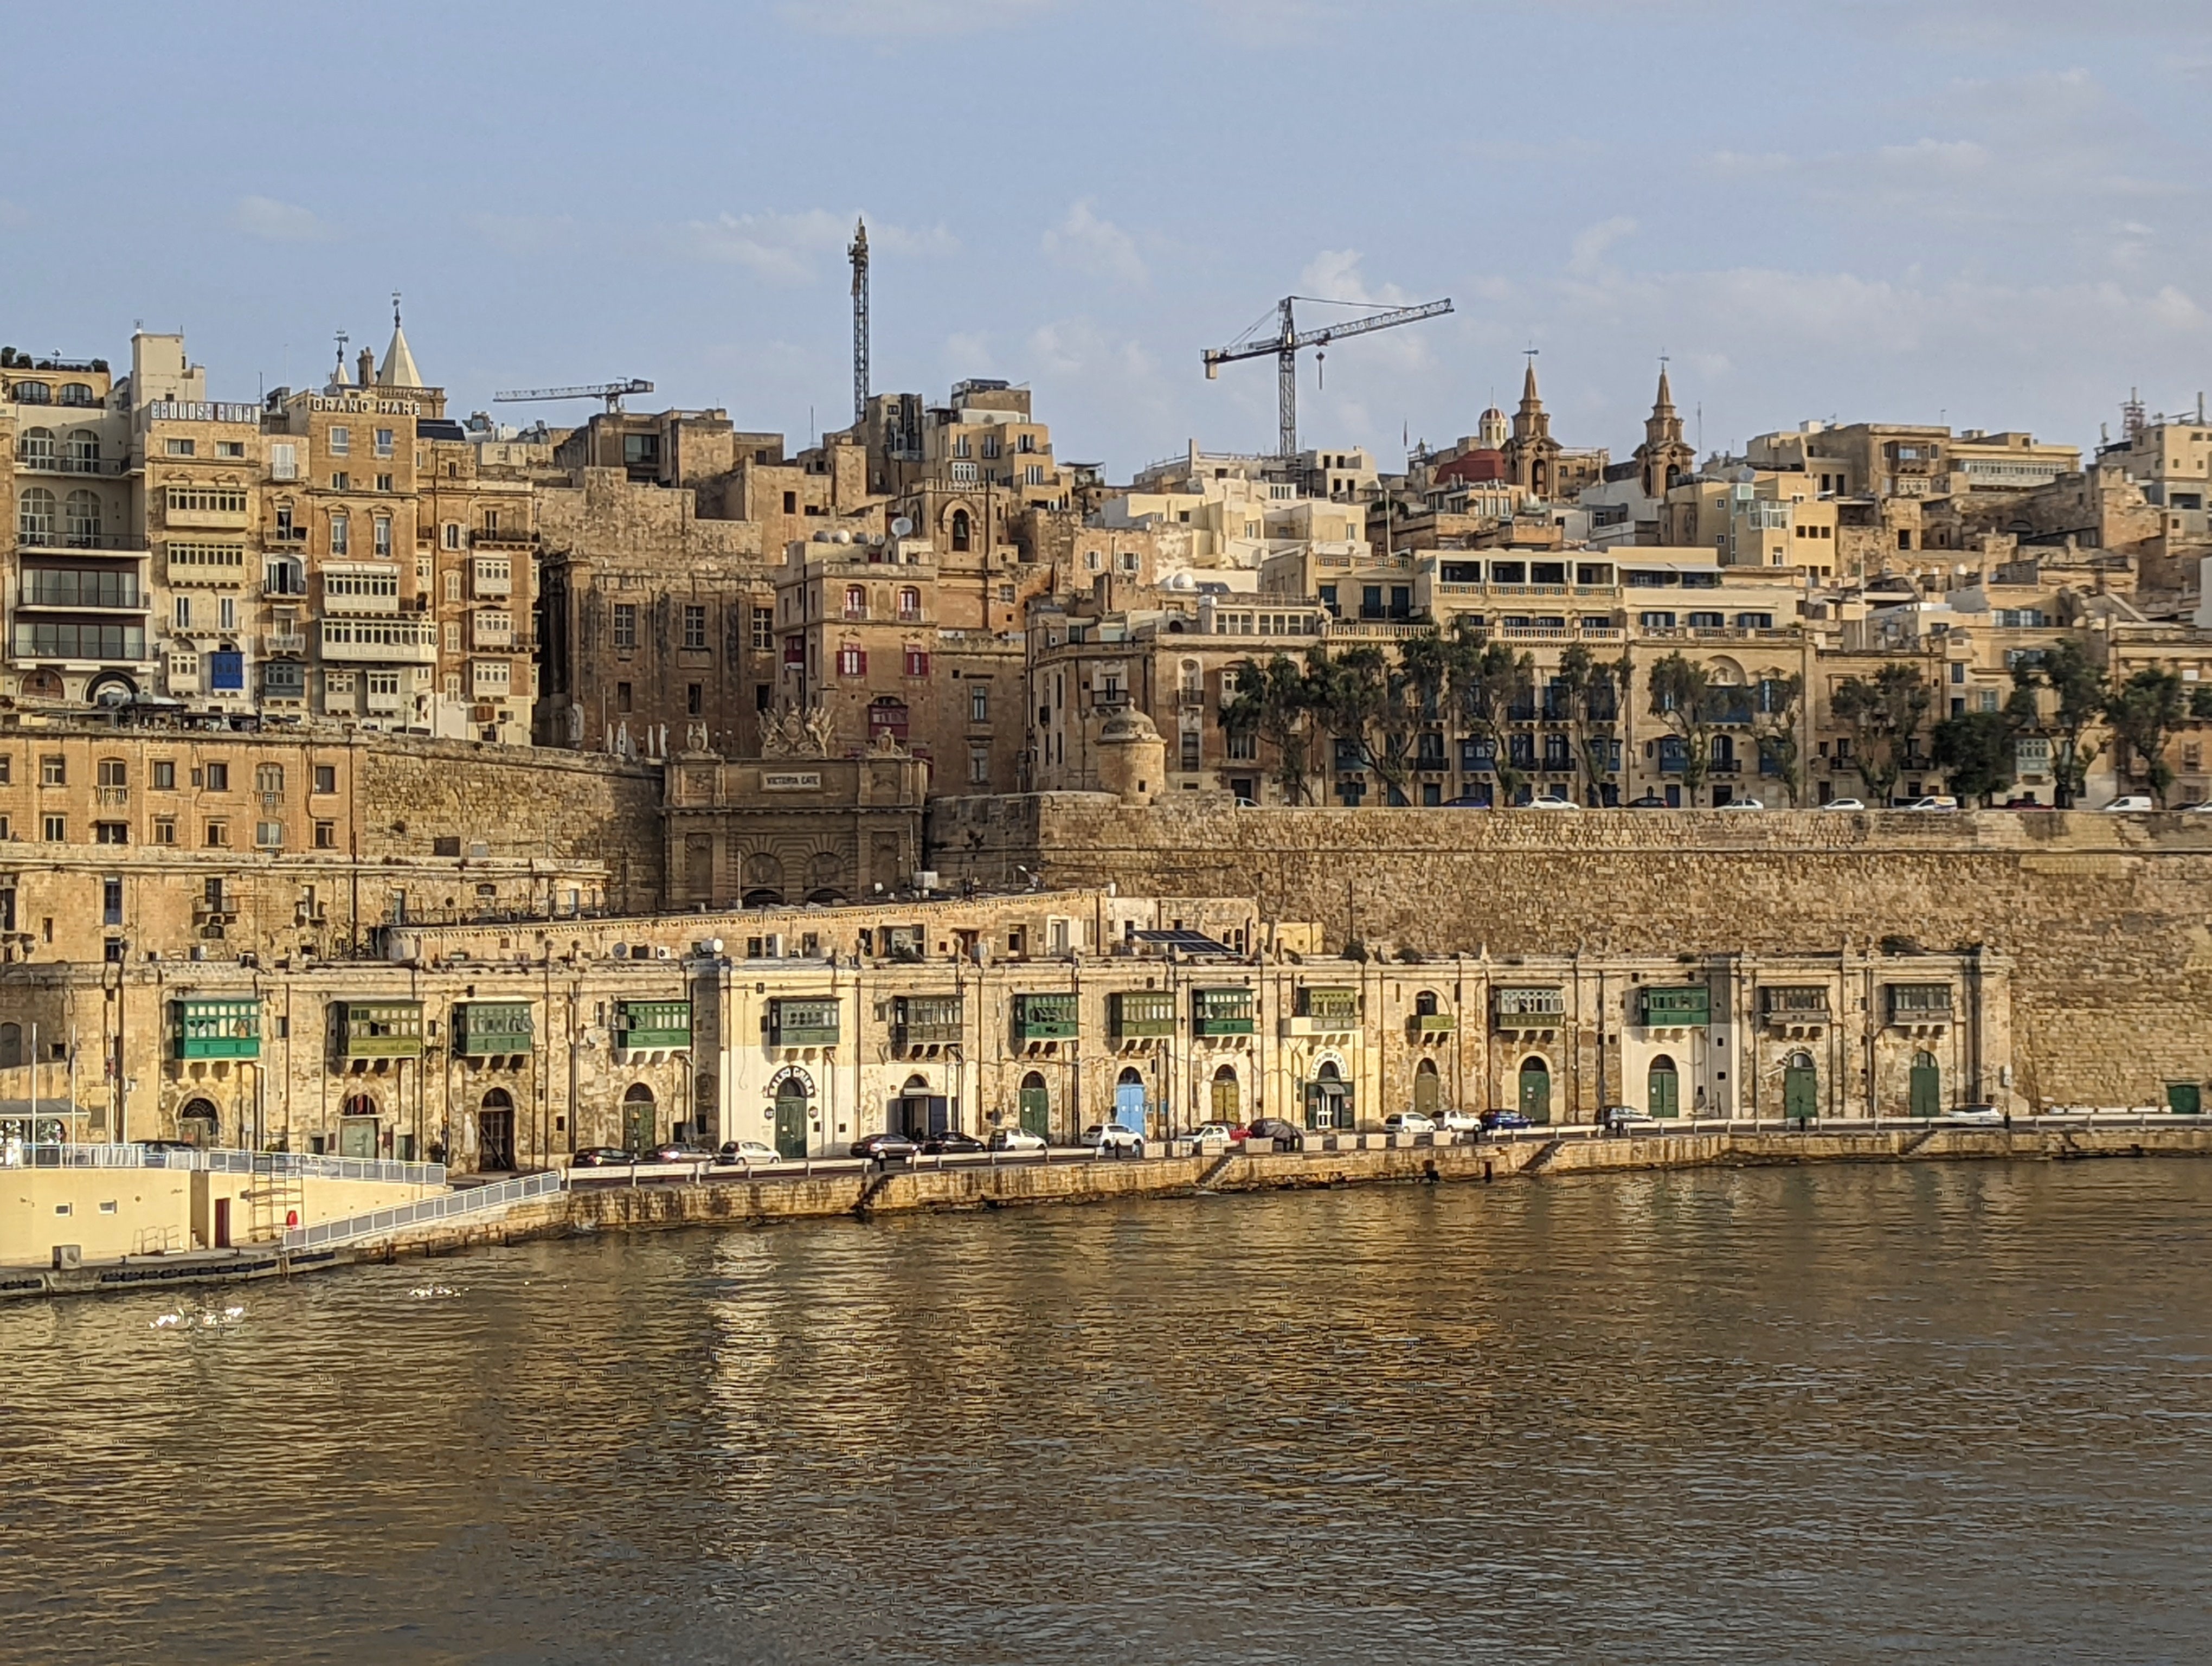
{"points": [[1036, 1107], [640, 1131], [2184, 1099], [1665, 1097], [790, 1121], [1801, 1089], [1536, 1091], [357, 1136], [1426, 1088], [1927, 1086]]}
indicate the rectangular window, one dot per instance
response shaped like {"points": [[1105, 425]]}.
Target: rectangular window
{"points": [[53, 772], [176, 447], [383, 539], [384, 483], [326, 836], [341, 442], [218, 777], [269, 836], [341, 536], [56, 830], [326, 778], [979, 703], [852, 662], [917, 662], [625, 625], [695, 625], [165, 829], [165, 775], [979, 764], [283, 461], [110, 832], [383, 443], [269, 778], [230, 448], [763, 628], [341, 482], [451, 535], [218, 835]]}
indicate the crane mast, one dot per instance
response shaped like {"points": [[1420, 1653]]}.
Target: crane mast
{"points": [[1290, 341], [858, 254]]}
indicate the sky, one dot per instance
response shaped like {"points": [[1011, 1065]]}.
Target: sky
{"points": [[1992, 215]]}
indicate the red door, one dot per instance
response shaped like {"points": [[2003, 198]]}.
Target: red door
{"points": [[223, 1223]]}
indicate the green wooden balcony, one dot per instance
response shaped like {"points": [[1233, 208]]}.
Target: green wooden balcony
{"points": [[493, 1029], [1677, 1006], [1222, 1011], [1045, 1018], [803, 1023], [1430, 1026], [1137, 1014], [927, 1020], [380, 1029], [652, 1026], [229, 1029]]}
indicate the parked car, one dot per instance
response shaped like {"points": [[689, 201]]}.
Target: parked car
{"points": [[2129, 804], [602, 1157], [1105, 1137], [1466, 801], [1647, 801], [1213, 1133], [1550, 801], [1982, 1115], [878, 1146], [747, 1151], [1626, 1117], [1409, 1122], [1458, 1122], [679, 1150], [1932, 801], [1015, 1140], [1743, 804], [950, 1143], [1265, 1128], [1845, 804], [1494, 1120], [2025, 801]]}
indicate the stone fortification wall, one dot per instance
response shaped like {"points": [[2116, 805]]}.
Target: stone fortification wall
{"points": [[2108, 918], [541, 804]]}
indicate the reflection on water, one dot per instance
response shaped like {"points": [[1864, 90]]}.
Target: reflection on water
{"points": [[1943, 1414]]}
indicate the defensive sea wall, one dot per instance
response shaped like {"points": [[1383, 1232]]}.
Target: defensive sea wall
{"points": [[2108, 918]]}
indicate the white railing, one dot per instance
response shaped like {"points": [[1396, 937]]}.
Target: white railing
{"points": [[475, 1203], [221, 1160]]}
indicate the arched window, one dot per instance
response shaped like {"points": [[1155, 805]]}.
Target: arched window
{"points": [[963, 533], [1425, 1003], [34, 393], [360, 1105], [35, 449], [638, 1093], [81, 516], [34, 515], [84, 451], [76, 393]]}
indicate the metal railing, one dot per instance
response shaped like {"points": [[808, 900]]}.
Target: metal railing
{"points": [[223, 1160], [476, 1202]]}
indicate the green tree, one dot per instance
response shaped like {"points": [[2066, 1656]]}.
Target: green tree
{"points": [[1884, 714], [1681, 696], [1486, 678], [2066, 669], [1274, 704], [2144, 712], [1592, 692], [1975, 753], [1774, 726]]}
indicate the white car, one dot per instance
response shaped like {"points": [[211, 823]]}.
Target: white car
{"points": [[2130, 804], [1410, 1122], [1981, 1115], [1741, 804], [1211, 1133], [747, 1151], [1103, 1137], [1932, 801], [1458, 1122], [1550, 801], [1015, 1140], [1845, 804], [1622, 1116]]}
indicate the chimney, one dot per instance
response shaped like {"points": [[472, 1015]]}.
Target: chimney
{"points": [[367, 377]]}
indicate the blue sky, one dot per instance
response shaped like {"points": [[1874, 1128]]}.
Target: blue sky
{"points": [[1995, 215]]}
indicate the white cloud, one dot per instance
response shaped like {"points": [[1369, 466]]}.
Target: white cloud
{"points": [[1590, 244], [280, 222], [790, 248], [1334, 275], [892, 19], [1084, 242]]}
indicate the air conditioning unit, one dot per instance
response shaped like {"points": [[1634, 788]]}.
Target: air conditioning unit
{"points": [[662, 952]]}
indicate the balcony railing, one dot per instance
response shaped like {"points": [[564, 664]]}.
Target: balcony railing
{"points": [[378, 641], [51, 463], [111, 798], [284, 642], [47, 538]]}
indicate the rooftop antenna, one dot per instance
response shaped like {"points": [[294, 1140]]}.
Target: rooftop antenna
{"points": [[859, 255]]}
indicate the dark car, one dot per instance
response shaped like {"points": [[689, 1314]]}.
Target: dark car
{"points": [[952, 1141], [679, 1150], [1274, 1129], [876, 1146], [1466, 801], [1647, 801], [1505, 1119], [602, 1157]]}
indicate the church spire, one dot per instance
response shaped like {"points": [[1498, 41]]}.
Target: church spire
{"points": [[397, 369], [1529, 401], [1666, 399]]}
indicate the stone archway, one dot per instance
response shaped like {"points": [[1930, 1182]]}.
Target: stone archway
{"points": [[496, 1130], [1226, 1104], [641, 1119], [1535, 1089], [198, 1122]]}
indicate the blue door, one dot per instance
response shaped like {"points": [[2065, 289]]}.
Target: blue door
{"points": [[1129, 1105]]}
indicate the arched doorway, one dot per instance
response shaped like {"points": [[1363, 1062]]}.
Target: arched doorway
{"points": [[791, 1117], [1328, 1097], [1036, 1105], [357, 1126], [198, 1123], [641, 1119], [1536, 1090], [1227, 1104], [1663, 1088], [1801, 1088], [918, 1112], [1428, 1088], [1927, 1085], [1129, 1099], [496, 1130]]}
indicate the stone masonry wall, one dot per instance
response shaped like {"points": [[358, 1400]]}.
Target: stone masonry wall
{"points": [[2108, 919]]}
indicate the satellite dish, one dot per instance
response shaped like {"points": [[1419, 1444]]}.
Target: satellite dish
{"points": [[901, 527]]}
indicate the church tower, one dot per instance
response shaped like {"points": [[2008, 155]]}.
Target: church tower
{"points": [[1531, 456], [1664, 460]]}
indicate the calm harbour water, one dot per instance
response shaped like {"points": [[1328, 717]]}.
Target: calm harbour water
{"points": [[1950, 1413]]}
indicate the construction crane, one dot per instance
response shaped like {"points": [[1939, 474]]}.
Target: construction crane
{"points": [[858, 253], [1288, 340], [612, 392]]}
